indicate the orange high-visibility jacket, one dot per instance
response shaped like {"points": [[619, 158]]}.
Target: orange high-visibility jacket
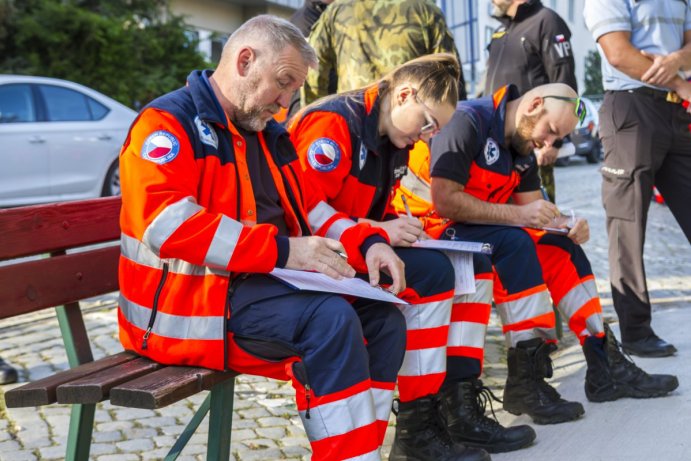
{"points": [[189, 224]]}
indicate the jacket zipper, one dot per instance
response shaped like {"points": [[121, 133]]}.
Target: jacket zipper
{"points": [[300, 373], [154, 308]]}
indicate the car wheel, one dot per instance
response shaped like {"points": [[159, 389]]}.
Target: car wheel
{"points": [[562, 161], [594, 155], [111, 186]]}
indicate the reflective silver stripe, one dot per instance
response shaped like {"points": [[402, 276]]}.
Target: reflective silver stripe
{"points": [[482, 295], [469, 334], [174, 326], [337, 228], [382, 403], [417, 186], [339, 417], [525, 308], [514, 337], [595, 324], [576, 298], [426, 315], [168, 221], [320, 214], [423, 362], [136, 251], [591, 287], [371, 456], [223, 244]]}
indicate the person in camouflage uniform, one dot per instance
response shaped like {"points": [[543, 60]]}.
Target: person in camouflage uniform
{"points": [[365, 39]]}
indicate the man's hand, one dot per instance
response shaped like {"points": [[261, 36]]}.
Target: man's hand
{"points": [[546, 155], [580, 232], [381, 257], [663, 69], [403, 231], [683, 90], [538, 213], [318, 254]]}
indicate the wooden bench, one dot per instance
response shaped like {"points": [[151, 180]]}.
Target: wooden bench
{"points": [[59, 277]]}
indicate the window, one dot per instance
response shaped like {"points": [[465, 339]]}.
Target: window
{"points": [[571, 10], [16, 104], [217, 44], [98, 110], [65, 105]]}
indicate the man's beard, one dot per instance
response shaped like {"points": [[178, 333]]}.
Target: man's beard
{"points": [[522, 139], [252, 118]]}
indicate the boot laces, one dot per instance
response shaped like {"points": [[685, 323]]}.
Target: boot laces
{"points": [[617, 355], [483, 396]]}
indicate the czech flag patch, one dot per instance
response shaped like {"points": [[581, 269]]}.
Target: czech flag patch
{"points": [[160, 147], [324, 154]]}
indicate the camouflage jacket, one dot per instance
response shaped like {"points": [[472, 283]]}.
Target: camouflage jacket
{"points": [[364, 39]]}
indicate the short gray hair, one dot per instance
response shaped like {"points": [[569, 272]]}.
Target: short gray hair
{"points": [[274, 32]]}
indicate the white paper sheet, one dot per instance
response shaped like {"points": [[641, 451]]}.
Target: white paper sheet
{"points": [[462, 262], [315, 281], [454, 245]]}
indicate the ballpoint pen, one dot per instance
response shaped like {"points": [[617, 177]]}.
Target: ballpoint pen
{"points": [[405, 204]]}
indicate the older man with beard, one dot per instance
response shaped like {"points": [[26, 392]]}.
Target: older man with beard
{"points": [[480, 160]]}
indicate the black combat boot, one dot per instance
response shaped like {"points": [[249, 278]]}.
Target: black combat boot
{"points": [[526, 390], [421, 437], [611, 375], [462, 408]]}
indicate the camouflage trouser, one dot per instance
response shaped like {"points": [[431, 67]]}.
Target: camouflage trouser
{"points": [[547, 178]]}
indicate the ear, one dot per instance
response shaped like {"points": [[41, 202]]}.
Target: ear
{"points": [[404, 93], [535, 105], [245, 58]]}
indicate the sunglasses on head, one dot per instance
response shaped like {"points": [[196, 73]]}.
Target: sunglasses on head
{"points": [[580, 105]]}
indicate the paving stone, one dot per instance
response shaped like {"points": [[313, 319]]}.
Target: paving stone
{"points": [[21, 455], [54, 452], [102, 449], [275, 433], [272, 421], [157, 421], [119, 457], [107, 436], [114, 426], [135, 445], [139, 433]]}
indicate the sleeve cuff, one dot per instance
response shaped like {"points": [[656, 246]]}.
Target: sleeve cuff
{"points": [[283, 248], [369, 241]]}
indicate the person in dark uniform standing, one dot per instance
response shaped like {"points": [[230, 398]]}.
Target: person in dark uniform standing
{"points": [[532, 47], [644, 128]]}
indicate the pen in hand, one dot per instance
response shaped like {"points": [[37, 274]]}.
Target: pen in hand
{"points": [[405, 204]]}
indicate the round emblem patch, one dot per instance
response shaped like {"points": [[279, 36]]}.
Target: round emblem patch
{"points": [[324, 154], [160, 147]]}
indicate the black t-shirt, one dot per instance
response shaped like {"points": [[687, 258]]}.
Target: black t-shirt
{"points": [[268, 202]]}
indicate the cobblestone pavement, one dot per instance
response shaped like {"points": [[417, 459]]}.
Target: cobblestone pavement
{"points": [[265, 422]]}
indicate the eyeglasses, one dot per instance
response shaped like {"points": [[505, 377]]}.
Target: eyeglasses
{"points": [[431, 126], [580, 105]]}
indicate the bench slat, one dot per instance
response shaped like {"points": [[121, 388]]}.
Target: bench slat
{"points": [[34, 285], [166, 386], [95, 387], [43, 391], [47, 228]]}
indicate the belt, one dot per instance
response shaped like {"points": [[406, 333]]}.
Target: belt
{"points": [[668, 96]]}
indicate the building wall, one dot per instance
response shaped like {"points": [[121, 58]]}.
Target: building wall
{"points": [[214, 20]]}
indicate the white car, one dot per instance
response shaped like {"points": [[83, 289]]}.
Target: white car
{"points": [[58, 141]]}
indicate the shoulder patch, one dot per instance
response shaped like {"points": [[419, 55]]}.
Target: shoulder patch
{"points": [[207, 135], [491, 151], [160, 147], [363, 155], [324, 154]]}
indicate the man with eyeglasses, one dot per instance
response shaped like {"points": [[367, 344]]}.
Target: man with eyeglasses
{"points": [[483, 157], [645, 47]]}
